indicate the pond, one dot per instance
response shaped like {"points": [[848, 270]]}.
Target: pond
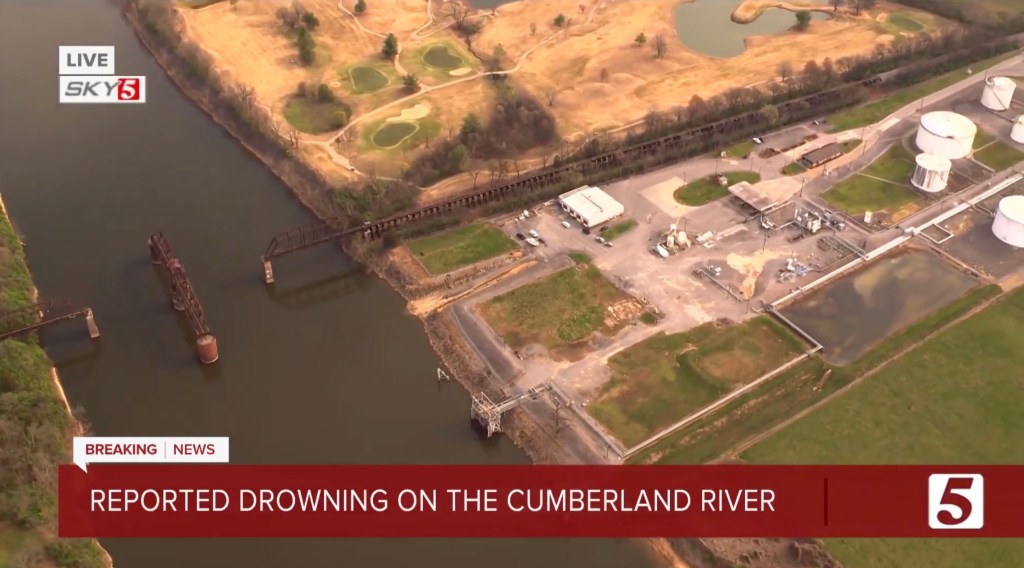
{"points": [[706, 26], [392, 134], [851, 315], [440, 57]]}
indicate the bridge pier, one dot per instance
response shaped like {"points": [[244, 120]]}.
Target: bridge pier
{"points": [[268, 270], [207, 349], [90, 322]]}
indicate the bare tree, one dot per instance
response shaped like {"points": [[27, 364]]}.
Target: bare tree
{"points": [[246, 97], [583, 8], [836, 4], [604, 74], [660, 46], [234, 4], [533, 28], [515, 163], [551, 97], [785, 70], [458, 13], [294, 137], [475, 174]]}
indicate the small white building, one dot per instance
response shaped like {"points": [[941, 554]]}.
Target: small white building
{"points": [[590, 206]]}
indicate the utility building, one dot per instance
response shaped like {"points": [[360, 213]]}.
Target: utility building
{"points": [[590, 206], [822, 155]]}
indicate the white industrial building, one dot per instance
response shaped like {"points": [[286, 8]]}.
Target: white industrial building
{"points": [[590, 205], [1009, 223], [931, 173], [1017, 134], [998, 93], [946, 134]]}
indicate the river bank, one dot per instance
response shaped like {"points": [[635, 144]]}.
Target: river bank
{"points": [[32, 383]]}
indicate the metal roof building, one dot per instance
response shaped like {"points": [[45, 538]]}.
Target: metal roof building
{"points": [[815, 158], [590, 206]]}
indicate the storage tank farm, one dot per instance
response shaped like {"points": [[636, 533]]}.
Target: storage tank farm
{"points": [[998, 93], [931, 173], [946, 134], [1017, 132], [1008, 225]]}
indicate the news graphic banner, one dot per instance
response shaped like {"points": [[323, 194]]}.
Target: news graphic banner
{"points": [[86, 75], [89, 450], [161, 500]]}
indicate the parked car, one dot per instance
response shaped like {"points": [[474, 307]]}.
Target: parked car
{"points": [[566, 225], [601, 240], [608, 244], [603, 229], [758, 141], [586, 230], [534, 234], [533, 242], [521, 236]]}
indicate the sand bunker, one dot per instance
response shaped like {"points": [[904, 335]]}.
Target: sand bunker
{"points": [[412, 113], [752, 267], [460, 71]]}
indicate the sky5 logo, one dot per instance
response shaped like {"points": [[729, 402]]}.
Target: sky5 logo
{"points": [[91, 89], [87, 76]]}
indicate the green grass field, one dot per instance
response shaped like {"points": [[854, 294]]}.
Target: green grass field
{"points": [[443, 55], [619, 229], [447, 251], [850, 145], [706, 190], [999, 156], [741, 150], [793, 168], [876, 111], [798, 388], [955, 399], [904, 22], [667, 377], [561, 309], [882, 186], [367, 79], [316, 117], [982, 139]]}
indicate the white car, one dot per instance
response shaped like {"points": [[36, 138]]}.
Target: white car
{"points": [[601, 240], [534, 234], [533, 242], [566, 225]]}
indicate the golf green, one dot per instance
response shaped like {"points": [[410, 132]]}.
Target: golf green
{"points": [[392, 134], [367, 79], [440, 57]]}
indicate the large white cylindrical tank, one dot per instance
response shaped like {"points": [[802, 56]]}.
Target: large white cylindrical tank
{"points": [[1017, 133], [1009, 223], [946, 134], [998, 93], [931, 173]]}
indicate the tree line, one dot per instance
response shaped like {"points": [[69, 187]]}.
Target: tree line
{"points": [[518, 123], [972, 13]]}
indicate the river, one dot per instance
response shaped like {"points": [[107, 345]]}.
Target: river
{"points": [[324, 368]]}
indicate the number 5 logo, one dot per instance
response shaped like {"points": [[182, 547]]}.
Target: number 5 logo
{"points": [[956, 501]]}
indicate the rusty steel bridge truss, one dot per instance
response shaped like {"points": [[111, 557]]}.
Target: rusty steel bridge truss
{"points": [[36, 316]]}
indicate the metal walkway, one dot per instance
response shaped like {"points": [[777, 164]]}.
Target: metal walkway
{"points": [[487, 413]]}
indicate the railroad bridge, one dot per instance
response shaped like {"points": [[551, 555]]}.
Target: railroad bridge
{"points": [[39, 315], [183, 297]]}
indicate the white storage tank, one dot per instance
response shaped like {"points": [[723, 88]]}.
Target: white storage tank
{"points": [[998, 93], [1017, 134], [1009, 223], [946, 134], [931, 173]]}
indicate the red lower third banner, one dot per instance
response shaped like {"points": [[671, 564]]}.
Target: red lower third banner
{"points": [[541, 501]]}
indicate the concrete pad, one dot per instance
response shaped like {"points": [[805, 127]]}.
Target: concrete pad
{"points": [[660, 194], [888, 124], [847, 136]]}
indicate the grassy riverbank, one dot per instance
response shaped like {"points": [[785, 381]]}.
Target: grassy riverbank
{"points": [[35, 428]]}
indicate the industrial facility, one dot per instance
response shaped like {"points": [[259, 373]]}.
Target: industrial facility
{"points": [[931, 173], [590, 205], [1009, 222], [1017, 133], [998, 93], [946, 134]]}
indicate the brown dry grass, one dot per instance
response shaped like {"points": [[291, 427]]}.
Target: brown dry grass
{"points": [[638, 82], [249, 45]]}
